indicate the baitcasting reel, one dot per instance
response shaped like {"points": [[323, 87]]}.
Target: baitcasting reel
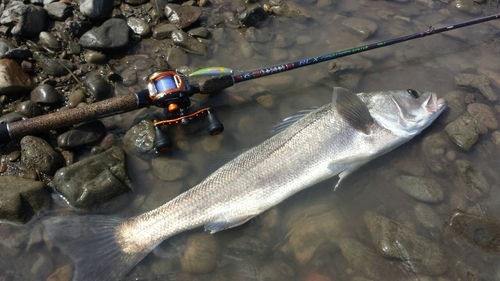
{"points": [[171, 90]]}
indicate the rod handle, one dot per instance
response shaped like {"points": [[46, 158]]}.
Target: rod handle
{"points": [[215, 84]]}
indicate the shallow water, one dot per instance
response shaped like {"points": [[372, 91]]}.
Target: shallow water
{"points": [[429, 64]]}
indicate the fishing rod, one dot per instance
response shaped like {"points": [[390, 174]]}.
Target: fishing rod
{"points": [[172, 90]]}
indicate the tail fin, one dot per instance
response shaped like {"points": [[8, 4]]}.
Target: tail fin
{"points": [[91, 244]]}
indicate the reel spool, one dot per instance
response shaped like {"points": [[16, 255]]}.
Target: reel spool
{"points": [[171, 90]]}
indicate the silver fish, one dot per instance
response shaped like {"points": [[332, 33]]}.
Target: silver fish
{"points": [[335, 139]]}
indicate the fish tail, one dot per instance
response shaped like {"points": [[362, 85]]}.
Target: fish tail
{"points": [[90, 241]]}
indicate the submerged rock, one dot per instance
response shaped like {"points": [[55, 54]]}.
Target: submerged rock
{"points": [[94, 181], [480, 82], [140, 138], [483, 114], [472, 179], [170, 169], [362, 27], [81, 135], [482, 231], [420, 188], [464, 131], [39, 155], [201, 254], [21, 198], [182, 15], [393, 240]]}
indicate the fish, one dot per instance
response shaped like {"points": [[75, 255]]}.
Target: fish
{"points": [[332, 140]]}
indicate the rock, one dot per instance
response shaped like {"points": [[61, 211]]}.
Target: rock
{"points": [[76, 97], [94, 181], [161, 193], [139, 26], [246, 246], [201, 254], [98, 87], [253, 15], [46, 94], [420, 188], [95, 57], [29, 109], [287, 9], [135, 2], [140, 138], [53, 66], [28, 20], [181, 15], [467, 6], [362, 27], [21, 198], [472, 178], [176, 57], [434, 148], [253, 34], [13, 81], [5, 46], [464, 131], [481, 230], [49, 41], [42, 267], [427, 216], [212, 143], [112, 34], [393, 240], [199, 32], [96, 8], [456, 106], [85, 134], [483, 114], [58, 11], [480, 82], [12, 117], [64, 273], [281, 41], [276, 83], [164, 30], [39, 155], [170, 169], [188, 43]]}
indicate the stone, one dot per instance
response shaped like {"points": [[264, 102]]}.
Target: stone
{"points": [[21, 198], [45, 94], [96, 8], [58, 11], [176, 57], [420, 188], [84, 134], [483, 114], [54, 66], [467, 6], [247, 246], [481, 230], [480, 82], [39, 155], [170, 169], [76, 97], [95, 181], [427, 216], [472, 177], [63, 273], [201, 254], [13, 81], [164, 30], [49, 41], [12, 117], [253, 15], [99, 87], [29, 109], [212, 143], [199, 32], [287, 9], [393, 240], [463, 131], [140, 138], [112, 34], [28, 20], [362, 27], [42, 267], [253, 34], [181, 15], [188, 43], [139, 26], [456, 106], [5, 46], [95, 57]]}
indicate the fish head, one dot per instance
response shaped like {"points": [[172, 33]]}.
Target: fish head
{"points": [[405, 112]]}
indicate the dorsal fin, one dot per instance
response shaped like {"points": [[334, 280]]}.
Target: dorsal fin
{"points": [[288, 121], [352, 109]]}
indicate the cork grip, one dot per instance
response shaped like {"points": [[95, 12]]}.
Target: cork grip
{"points": [[66, 118]]}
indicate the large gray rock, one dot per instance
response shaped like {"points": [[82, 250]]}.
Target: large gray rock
{"points": [[113, 33], [39, 155], [28, 20], [393, 240], [464, 131], [182, 16], [21, 198], [94, 181]]}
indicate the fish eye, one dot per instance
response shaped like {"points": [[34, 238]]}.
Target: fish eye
{"points": [[413, 93]]}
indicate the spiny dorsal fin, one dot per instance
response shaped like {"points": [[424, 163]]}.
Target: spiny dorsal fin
{"points": [[352, 109]]}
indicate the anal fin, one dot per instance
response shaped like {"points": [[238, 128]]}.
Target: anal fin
{"points": [[220, 225]]}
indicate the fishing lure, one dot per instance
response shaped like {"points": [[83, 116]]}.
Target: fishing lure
{"points": [[212, 71]]}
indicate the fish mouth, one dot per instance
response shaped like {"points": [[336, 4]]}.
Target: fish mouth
{"points": [[433, 104]]}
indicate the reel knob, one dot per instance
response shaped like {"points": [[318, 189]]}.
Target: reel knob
{"points": [[162, 141], [215, 127]]}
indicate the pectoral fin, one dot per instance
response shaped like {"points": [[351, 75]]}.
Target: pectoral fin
{"points": [[352, 109], [217, 226], [352, 164]]}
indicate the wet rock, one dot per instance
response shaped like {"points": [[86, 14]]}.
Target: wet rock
{"points": [[21, 198], [464, 131], [39, 155], [112, 34], [140, 138], [188, 43], [483, 114], [176, 57], [364, 261], [5, 46], [161, 193], [139, 26], [472, 177], [212, 143], [247, 246], [95, 57], [96, 8], [481, 230], [420, 188], [283, 41], [434, 149], [456, 106], [46, 94], [42, 267], [276, 83], [362, 27], [49, 41], [480, 82], [253, 15], [58, 11], [135, 2], [12, 117], [467, 6], [94, 181], [201, 254], [164, 30], [29, 109], [53, 66], [182, 16], [98, 87], [64, 273], [13, 81], [129, 76], [286, 9], [170, 169], [427, 216], [27, 20], [199, 32], [81, 135], [393, 240], [75, 98], [253, 34]]}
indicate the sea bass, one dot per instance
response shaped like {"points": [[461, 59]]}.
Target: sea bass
{"points": [[335, 139]]}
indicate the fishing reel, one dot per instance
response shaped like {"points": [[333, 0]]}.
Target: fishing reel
{"points": [[171, 90]]}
